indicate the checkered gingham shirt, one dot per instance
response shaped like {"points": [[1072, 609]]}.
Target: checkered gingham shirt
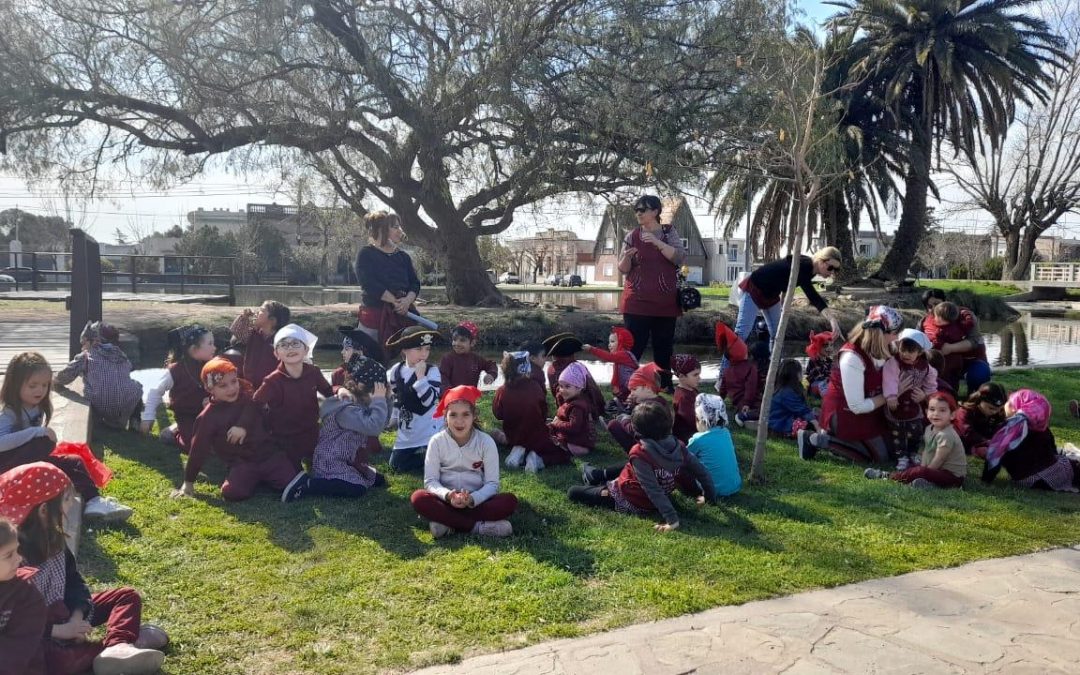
{"points": [[107, 383]]}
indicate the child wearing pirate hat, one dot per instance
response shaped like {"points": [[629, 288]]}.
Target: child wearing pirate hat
{"points": [[417, 386]]}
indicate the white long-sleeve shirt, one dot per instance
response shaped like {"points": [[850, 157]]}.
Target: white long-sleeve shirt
{"points": [[853, 379], [155, 395], [473, 467]]}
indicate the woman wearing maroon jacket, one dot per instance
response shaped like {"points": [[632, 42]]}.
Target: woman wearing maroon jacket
{"points": [[651, 256]]}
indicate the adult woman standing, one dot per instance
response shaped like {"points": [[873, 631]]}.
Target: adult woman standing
{"points": [[852, 415], [651, 256], [763, 288], [387, 278]]}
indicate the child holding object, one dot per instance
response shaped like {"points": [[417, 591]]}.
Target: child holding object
{"points": [[658, 463], [461, 474], [232, 427], [340, 467], [417, 386], [190, 348], [32, 496], [255, 331], [291, 394], [25, 436], [944, 464], [521, 404], [115, 398], [623, 362]]}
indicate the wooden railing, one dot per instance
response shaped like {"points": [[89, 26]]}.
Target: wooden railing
{"points": [[1055, 273]]}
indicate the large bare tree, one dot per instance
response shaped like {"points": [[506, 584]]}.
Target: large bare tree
{"points": [[453, 113], [1028, 185]]}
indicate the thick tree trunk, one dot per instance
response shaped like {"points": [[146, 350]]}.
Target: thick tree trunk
{"points": [[1012, 254], [467, 281], [840, 236], [1026, 252], [912, 221]]}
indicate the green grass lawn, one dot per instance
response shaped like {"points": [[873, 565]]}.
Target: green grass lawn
{"points": [[996, 289], [353, 586]]}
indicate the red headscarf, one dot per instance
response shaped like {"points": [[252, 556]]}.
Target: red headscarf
{"points": [[470, 328], [623, 337], [646, 376], [218, 367], [818, 342], [729, 344], [28, 485], [462, 392]]}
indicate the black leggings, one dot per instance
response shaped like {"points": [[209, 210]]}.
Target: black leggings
{"points": [[661, 329], [591, 495], [334, 487]]}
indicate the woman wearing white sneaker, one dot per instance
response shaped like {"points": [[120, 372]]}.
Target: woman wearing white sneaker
{"points": [[461, 474], [32, 496]]}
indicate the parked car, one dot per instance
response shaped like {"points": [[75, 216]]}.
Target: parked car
{"points": [[554, 280], [22, 274], [509, 278], [6, 280], [572, 280]]}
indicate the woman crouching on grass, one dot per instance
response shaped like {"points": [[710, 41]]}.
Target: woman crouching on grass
{"points": [[461, 474]]}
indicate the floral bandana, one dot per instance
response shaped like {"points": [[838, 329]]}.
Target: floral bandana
{"points": [[884, 317], [710, 409], [365, 371], [470, 328], [1032, 411], [684, 364]]}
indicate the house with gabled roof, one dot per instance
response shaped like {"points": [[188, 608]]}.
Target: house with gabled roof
{"points": [[620, 218]]}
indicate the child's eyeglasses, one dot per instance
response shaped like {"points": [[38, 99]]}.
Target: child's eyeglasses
{"points": [[289, 344]]}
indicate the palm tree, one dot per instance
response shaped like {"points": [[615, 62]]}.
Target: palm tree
{"points": [[944, 68]]}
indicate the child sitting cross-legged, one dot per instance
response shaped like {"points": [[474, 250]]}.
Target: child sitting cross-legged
{"points": [[190, 347], [712, 444], [658, 463], [573, 428], [461, 474], [944, 464], [521, 404], [291, 394], [33, 496], [232, 427], [340, 467], [115, 398], [790, 412], [417, 385]]}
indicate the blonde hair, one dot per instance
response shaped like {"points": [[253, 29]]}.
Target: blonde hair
{"points": [[378, 225], [828, 253], [873, 341]]}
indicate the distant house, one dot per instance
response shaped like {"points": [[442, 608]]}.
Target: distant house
{"points": [[548, 253], [867, 244], [726, 259], [620, 219]]}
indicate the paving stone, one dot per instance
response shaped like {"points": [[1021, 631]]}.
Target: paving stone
{"points": [[613, 657], [807, 666], [807, 626], [1051, 578], [852, 652], [874, 615], [1032, 614], [678, 652], [953, 641]]}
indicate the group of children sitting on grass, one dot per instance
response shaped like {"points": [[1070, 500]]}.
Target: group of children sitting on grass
{"points": [[275, 420]]}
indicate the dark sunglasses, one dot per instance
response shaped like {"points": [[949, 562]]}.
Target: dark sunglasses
{"points": [[832, 268], [640, 209]]}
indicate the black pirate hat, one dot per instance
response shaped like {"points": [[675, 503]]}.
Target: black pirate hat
{"points": [[413, 337]]}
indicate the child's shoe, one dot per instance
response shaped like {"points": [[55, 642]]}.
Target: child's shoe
{"points": [[106, 510], [168, 436], [1074, 408], [923, 484], [498, 435], [875, 474], [533, 463], [740, 419], [493, 528], [807, 450], [516, 457], [903, 464], [438, 530], [127, 659], [296, 488], [591, 475], [152, 637]]}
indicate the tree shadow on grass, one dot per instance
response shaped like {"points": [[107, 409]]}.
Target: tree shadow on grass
{"points": [[93, 560]]}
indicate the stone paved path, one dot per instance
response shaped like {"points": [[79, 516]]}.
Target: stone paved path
{"points": [[1013, 616]]}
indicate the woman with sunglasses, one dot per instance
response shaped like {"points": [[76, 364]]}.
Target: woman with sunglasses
{"points": [[651, 256], [852, 412], [387, 279], [761, 291]]}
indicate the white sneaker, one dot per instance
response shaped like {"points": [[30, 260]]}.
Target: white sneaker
{"points": [[533, 463], [493, 528], [106, 509], [903, 463], [516, 457], [438, 530], [127, 659]]}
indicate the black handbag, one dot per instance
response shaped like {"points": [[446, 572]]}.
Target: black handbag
{"points": [[686, 296]]}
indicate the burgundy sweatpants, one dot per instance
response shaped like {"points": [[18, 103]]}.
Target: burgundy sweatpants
{"points": [[298, 447], [938, 477], [38, 450], [499, 507], [276, 471], [551, 453], [119, 609], [185, 431], [623, 433]]}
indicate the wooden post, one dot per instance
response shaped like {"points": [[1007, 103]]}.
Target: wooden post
{"points": [[77, 302], [182, 273], [33, 271], [131, 271], [232, 282]]}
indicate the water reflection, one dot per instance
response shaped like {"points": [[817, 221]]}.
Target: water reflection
{"points": [[593, 301]]}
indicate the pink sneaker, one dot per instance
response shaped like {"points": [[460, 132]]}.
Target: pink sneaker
{"points": [[493, 528]]}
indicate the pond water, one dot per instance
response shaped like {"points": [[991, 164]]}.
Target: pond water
{"points": [[1029, 340], [594, 301]]}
